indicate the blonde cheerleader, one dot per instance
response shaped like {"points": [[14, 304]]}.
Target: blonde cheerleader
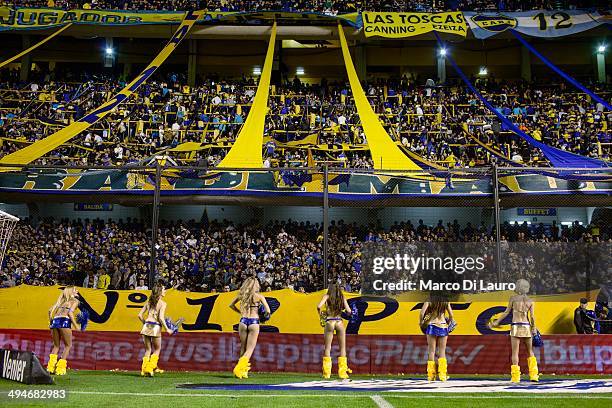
{"points": [[522, 328], [335, 303], [251, 305], [152, 316], [433, 321], [61, 317]]}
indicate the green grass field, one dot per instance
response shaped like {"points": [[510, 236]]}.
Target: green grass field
{"points": [[128, 389]]}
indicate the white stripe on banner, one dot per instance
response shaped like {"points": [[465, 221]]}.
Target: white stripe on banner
{"points": [[535, 23]]}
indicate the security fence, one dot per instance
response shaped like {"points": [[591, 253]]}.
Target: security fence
{"points": [[205, 229]]}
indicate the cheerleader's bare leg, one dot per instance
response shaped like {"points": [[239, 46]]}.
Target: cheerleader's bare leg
{"points": [[243, 332], [251, 340], [66, 336], [55, 334]]}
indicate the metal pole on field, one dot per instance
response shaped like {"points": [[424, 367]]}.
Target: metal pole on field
{"points": [[497, 222], [325, 223], [155, 226]]}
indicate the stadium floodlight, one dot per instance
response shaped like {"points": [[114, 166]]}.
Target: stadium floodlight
{"points": [[601, 49], [443, 52], [299, 71], [257, 70], [483, 71], [109, 51]]}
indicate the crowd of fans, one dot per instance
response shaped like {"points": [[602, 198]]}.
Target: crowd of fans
{"points": [[444, 125], [322, 6], [217, 256]]}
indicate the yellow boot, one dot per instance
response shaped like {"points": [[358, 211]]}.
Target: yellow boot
{"points": [[246, 371], [327, 367], [150, 366], [532, 363], [442, 369], [241, 368], [515, 373], [51, 364], [343, 370], [60, 368], [145, 361], [431, 370], [156, 369]]}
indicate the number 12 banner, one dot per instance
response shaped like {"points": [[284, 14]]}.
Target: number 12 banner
{"points": [[535, 23]]}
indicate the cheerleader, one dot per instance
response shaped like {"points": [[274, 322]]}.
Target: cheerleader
{"points": [[61, 317], [335, 304], [153, 318], [434, 323], [522, 328], [250, 301]]}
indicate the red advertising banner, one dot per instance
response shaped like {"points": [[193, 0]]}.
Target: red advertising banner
{"points": [[490, 354]]}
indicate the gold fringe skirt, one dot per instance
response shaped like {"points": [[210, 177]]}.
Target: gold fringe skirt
{"points": [[151, 329], [520, 330]]}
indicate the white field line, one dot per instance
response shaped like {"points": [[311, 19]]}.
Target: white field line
{"points": [[380, 401]]}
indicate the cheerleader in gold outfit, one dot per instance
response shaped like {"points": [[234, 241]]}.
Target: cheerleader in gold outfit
{"points": [[522, 328], [153, 318]]}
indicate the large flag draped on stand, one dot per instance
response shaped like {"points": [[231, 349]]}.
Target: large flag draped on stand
{"points": [[559, 71], [557, 157], [35, 46], [44, 146], [246, 151], [385, 153]]}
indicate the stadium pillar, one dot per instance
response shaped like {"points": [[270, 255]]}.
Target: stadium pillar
{"points": [[192, 63], [495, 176], [26, 60], [155, 225], [601, 67], [361, 61], [127, 69], [325, 225], [525, 64], [441, 69]]}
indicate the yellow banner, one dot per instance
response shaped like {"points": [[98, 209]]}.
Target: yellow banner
{"points": [[34, 151], [28, 18], [25, 307], [246, 151], [401, 25], [385, 153]]}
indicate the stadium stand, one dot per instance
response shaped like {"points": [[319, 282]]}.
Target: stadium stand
{"points": [[217, 256], [444, 125]]}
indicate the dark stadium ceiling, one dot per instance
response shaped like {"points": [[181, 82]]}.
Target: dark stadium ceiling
{"points": [[294, 32]]}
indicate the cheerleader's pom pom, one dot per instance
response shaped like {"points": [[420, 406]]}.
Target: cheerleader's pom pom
{"points": [[82, 319], [537, 339], [174, 326], [263, 315]]}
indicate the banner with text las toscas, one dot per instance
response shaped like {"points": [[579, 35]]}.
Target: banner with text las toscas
{"points": [[25, 307], [401, 25]]}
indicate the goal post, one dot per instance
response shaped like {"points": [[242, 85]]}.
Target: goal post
{"points": [[7, 224]]}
